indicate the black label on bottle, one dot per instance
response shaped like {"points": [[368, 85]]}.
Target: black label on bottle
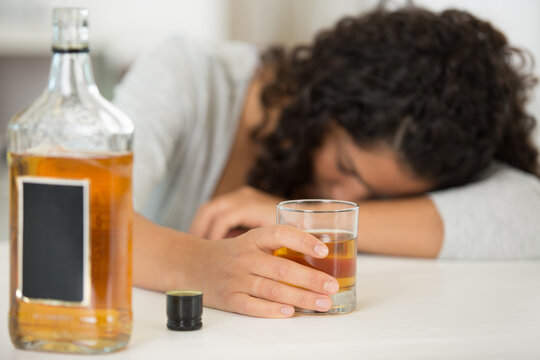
{"points": [[54, 240]]}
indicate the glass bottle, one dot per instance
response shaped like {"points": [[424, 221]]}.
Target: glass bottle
{"points": [[70, 164]]}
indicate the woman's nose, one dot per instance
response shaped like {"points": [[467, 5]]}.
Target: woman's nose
{"points": [[335, 192], [339, 192], [348, 193]]}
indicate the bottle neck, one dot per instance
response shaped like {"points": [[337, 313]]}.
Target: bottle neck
{"points": [[71, 74]]}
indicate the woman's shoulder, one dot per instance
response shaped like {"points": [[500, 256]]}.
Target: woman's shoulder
{"points": [[494, 217], [503, 170], [500, 175], [237, 57], [499, 186], [178, 54], [504, 175]]}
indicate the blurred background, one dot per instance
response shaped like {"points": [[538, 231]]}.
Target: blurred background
{"points": [[120, 29]]}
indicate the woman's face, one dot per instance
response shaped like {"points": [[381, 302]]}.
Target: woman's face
{"points": [[342, 170]]}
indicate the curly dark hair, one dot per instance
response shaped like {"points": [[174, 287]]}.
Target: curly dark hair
{"points": [[444, 90]]}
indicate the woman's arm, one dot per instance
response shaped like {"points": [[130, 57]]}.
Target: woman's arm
{"points": [[239, 275], [494, 218], [405, 227]]}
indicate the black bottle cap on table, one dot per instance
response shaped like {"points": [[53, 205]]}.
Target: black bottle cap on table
{"points": [[184, 310]]}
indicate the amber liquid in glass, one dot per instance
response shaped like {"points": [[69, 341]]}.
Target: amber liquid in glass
{"points": [[105, 324], [340, 262]]}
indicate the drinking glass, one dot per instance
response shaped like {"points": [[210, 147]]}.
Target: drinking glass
{"points": [[335, 223]]}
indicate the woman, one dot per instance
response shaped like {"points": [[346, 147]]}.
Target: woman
{"points": [[419, 116]]}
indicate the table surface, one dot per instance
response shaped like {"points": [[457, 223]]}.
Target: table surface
{"points": [[407, 308]]}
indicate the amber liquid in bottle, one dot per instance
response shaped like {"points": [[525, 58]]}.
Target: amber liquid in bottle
{"points": [[340, 262], [105, 324]]}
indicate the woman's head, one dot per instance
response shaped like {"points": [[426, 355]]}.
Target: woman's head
{"points": [[440, 94]]}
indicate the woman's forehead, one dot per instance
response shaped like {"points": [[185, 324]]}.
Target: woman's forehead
{"points": [[380, 167]]}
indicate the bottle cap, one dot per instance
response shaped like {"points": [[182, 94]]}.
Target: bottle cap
{"points": [[184, 309]]}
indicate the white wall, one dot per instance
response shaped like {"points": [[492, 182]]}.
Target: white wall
{"points": [[25, 26], [287, 21]]}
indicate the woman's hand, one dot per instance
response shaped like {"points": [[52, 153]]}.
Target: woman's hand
{"points": [[241, 274], [246, 207]]}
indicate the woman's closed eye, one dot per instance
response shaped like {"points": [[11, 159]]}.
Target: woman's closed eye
{"points": [[344, 169]]}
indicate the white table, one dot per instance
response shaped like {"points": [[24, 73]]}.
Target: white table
{"points": [[417, 309]]}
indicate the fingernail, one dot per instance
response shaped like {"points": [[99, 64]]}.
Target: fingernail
{"points": [[323, 304], [322, 250], [287, 310], [331, 286]]}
